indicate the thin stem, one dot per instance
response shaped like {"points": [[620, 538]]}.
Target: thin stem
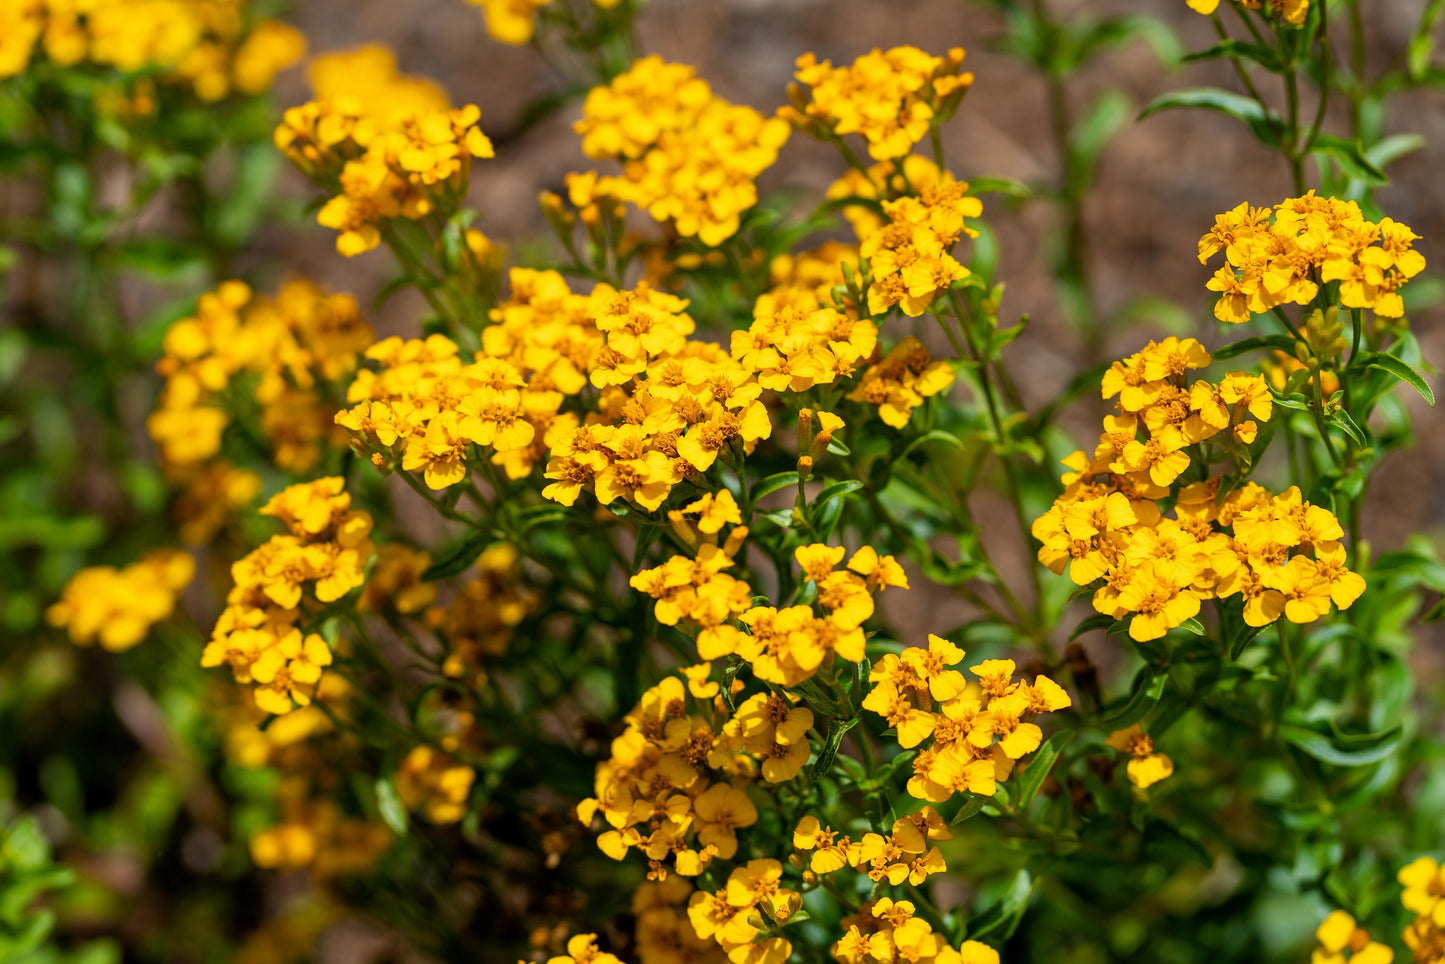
{"points": [[1239, 67], [1325, 58], [420, 489], [1278, 312], [1318, 411]]}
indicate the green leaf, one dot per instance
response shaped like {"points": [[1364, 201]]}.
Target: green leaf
{"points": [[1243, 638], [1259, 343], [1016, 190], [1148, 688], [1328, 748], [388, 804], [1096, 621], [1351, 156], [1039, 766], [1390, 149], [1104, 117], [1004, 916], [1162, 839], [1402, 371], [937, 435], [540, 515], [645, 541], [773, 483], [1265, 124], [970, 808], [836, 731], [1294, 401], [1194, 626], [160, 258], [1264, 56], [835, 491], [1341, 418], [459, 558]]}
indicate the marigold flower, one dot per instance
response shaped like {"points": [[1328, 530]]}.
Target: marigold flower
{"points": [[1146, 766]]}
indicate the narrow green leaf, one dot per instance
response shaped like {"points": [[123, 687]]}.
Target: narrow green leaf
{"points": [[1327, 750], [1264, 56], [773, 483], [1005, 914], [1243, 638], [835, 491], [1039, 766], [388, 804], [459, 558], [1342, 418], [1006, 186], [1147, 691], [1351, 156], [1402, 371], [937, 435], [1265, 124], [1259, 343], [540, 515], [646, 538], [1096, 621], [970, 808], [836, 731]]}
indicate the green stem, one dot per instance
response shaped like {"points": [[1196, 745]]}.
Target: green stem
{"points": [[420, 489]]}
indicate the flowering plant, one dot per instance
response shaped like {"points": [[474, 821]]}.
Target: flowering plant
{"points": [[714, 586]]}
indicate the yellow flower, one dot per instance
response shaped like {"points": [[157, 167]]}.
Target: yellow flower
{"points": [[1339, 933], [118, 607], [721, 809], [1146, 767]]}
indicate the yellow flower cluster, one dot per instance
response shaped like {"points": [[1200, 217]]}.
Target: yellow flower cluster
{"points": [[326, 549], [118, 607], [1282, 257], [582, 949], [390, 143], [296, 346], [1424, 896], [792, 349], [735, 916], [908, 258], [1341, 940], [395, 584], [481, 618], [675, 786], [1146, 766], [783, 646], [979, 731], [689, 157], [1279, 553], [311, 755], [890, 98], [1290, 11], [664, 934], [690, 403], [510, 21], [432, 781], [902, 856], [886, 931], [203, 43], [426, 408], [901, 380]]}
